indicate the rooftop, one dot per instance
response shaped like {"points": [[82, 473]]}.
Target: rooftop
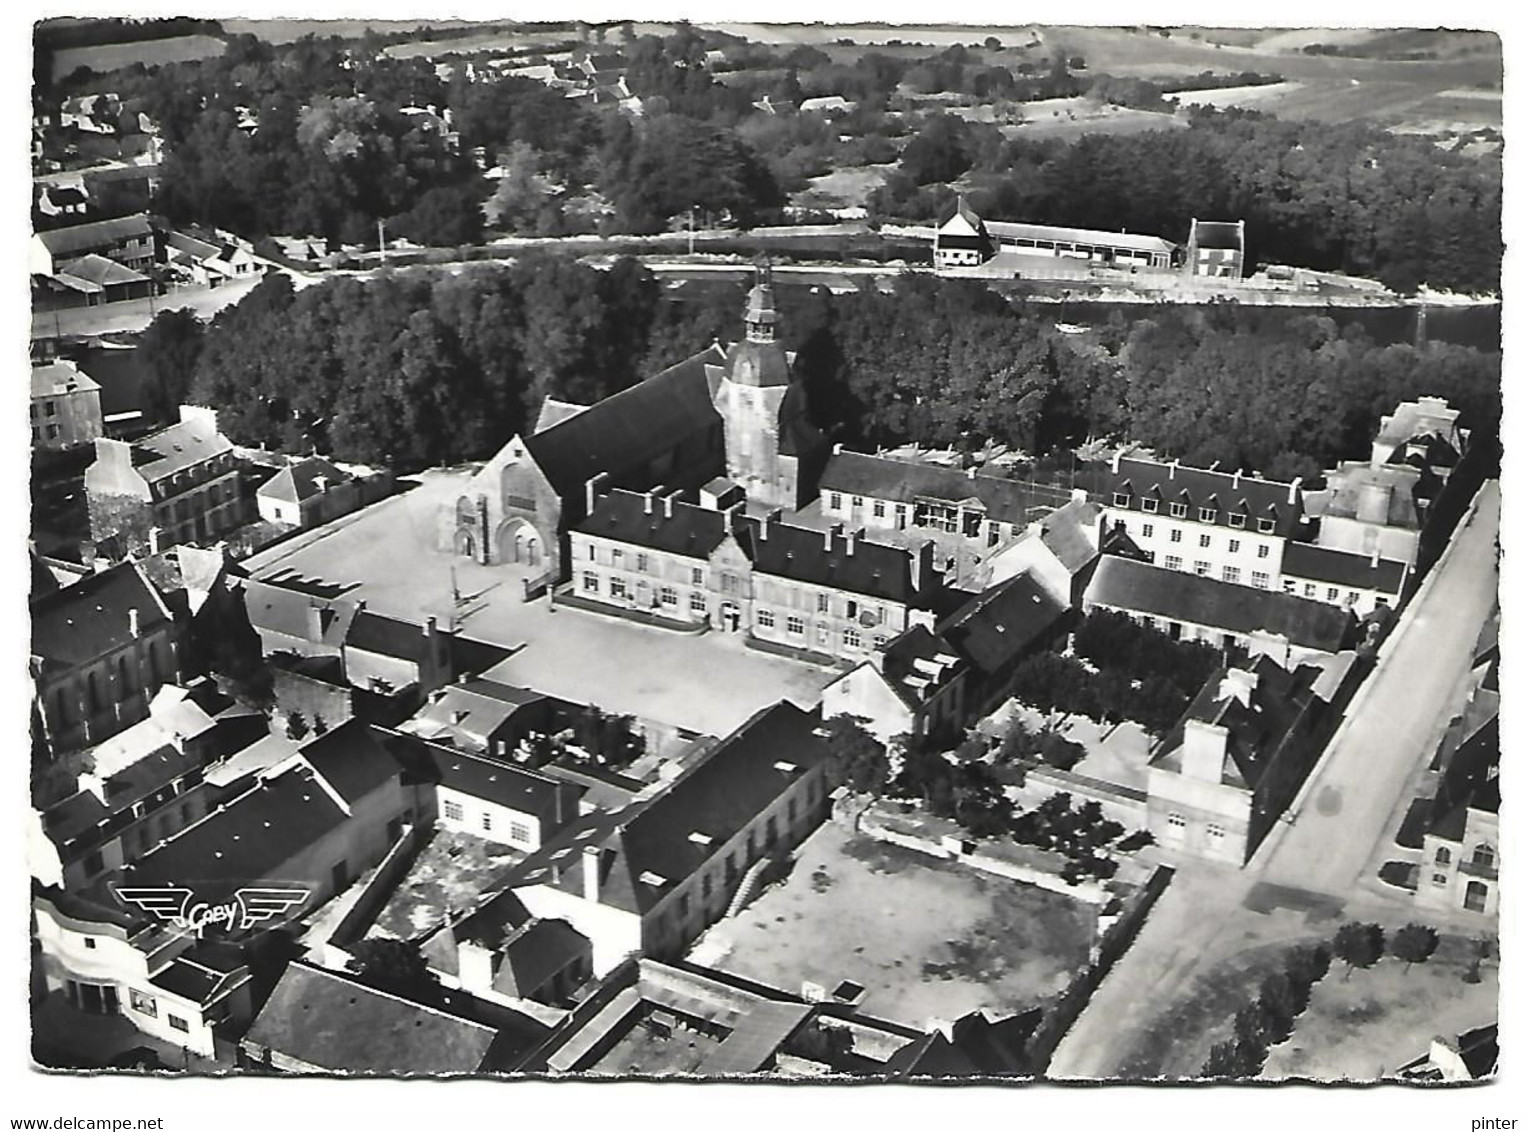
{"points": [[299, 482], [99, 233], [59, 377], [94, 617], [1343, 568], [909, 481], [188, 442], [1226, 494]]}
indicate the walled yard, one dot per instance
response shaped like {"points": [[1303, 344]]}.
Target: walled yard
{"points": [[926, 938], [450, 874], [1370, 1023]]}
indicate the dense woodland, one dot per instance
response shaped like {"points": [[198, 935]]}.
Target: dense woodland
{"points": [[416, 368]]}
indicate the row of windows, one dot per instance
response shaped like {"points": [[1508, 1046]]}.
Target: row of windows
{"points": [[1236, 519], [518, 831], [1178, 822], [669, 596], [1233, 546]]}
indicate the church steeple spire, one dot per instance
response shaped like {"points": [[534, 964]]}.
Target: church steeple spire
{"points": [[759, 317]]}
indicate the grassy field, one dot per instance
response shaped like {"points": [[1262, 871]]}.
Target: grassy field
{"points": [[150, 52], [926, 938], [842, 188], [289, 31]]}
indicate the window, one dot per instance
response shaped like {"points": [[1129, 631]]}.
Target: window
{"points": [[641, 563], [697, 603], [593, 554], [487, 823], [1176, 821], [1175, 536], [684, 905], [1215, 831], [1173, 562], [790, 811], [591, 582], [142, 1003], [616, 555], [851, 608], [1149, 506], [1230, 574], [178, 1024], [1178, 510], [1289, 585], [795, 626], [1260, 579], [1484, 857], [1262, 551], [766, 618], [1201, 568], [771, 832], [1207, 514], [617, 587], [90, 943], [880, 641], [1443, 856], [835, 501], [52, 432], [50, 408], [878, 509], [1237, 519], [519, 831], [1331, 593], [851, 639], [1234, 545], [1351, 599], [1265, 526], [1310, 589], [1204, 542], [668, 595], [729, 584], [1122, 499], [452, 810], [1146, 530], [858, 501], [822, 603], [697, 576], [1440, 879]]}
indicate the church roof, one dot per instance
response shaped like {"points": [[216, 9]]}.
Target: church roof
{"points": [[758, 363]]}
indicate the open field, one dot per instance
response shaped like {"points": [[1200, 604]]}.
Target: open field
{"points": [[842, 188], [488, 41], [926, 938], [289, 31], [1373, 1021], [150, 52], [1345, 100]]}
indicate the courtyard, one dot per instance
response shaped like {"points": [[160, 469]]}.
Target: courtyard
{"points": [[927, 939], [386, 555], [452, 872]]}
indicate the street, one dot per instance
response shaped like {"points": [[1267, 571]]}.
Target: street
{"points": [[1309, 874]]}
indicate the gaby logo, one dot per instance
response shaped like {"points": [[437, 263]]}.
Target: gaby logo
{"points": [[247, 908]]}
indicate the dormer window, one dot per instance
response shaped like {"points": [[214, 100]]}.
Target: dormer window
{"points": [[1149, 505], [1238, 520], [1207, 514], [1178, 510], [1265, 526], [1122, 499]]}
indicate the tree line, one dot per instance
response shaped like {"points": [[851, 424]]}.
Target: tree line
{"points": [[415, 368]]}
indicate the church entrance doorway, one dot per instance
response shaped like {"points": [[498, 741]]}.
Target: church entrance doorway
{"points": [[731, 616], [520, 544]]}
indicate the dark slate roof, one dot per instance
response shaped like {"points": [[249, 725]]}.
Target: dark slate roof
{"points": [[493, 781], [1259, 729], [1226, 492], [997, 626], [332, 1021], [100, 233], [1470, 782], [298, 482], [177, 447], [536, 952], [758, 363], [903, 481], [387, 636], [641, 520], [629, 428], [916, 653], [718, 797], [1343, 568], [1138, 587], [283, 609], [1217, 234], [79, 623], [964, 210], [354, 758], [872, 570], [203, 974]]}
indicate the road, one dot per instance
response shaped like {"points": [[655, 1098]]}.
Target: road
{"points": [[1339, 824]]}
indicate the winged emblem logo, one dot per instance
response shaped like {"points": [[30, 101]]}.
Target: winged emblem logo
{"points": [[247, 908]]}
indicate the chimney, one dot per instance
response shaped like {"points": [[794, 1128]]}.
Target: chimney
{"points": [[592, 490], [1236, 478], [156, 540], [647, 502], [1172, 469], [430, 628], [1204, 750], [829, 535], [315, 623], [592, 873], [1079, 495], [1114, 463], [474, 966], [1374, 559], [1374, 503], [971, 472], [837, 449], [921, 565], [851, 537], [1238, 683], [668, 506], [132, 623], [1294, 491]]}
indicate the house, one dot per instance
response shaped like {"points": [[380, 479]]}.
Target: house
{"points": [[207, 263], [321, 1021], [657, 1018], [145, 785], [1059, 551], [307, 494], [1218, 781], [101, 649], [90, 280], [1355, 581], [1460, 848], [830, 106], [183, 479], [92, 113], [737, 411], [500, 950], [69, 202], [1193, 607], [110, 961], [489, 798], [650, 878], [66, 406], [130, 241], [485, 717], [934, 681], [1216, 248], [1472, 1056], [964, 239]]}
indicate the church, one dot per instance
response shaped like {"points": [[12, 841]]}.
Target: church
{"points": [[739, 413]]}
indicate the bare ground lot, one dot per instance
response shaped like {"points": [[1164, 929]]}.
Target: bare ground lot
{"points": [[926, 938], [449, 874], [105, 57]]}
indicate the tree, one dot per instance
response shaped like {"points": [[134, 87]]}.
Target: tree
{"points": [[168, 351], [1414, 943], [857, 760], [1359, 945], [296, 727], [395, 966], [1281, 1001]]}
